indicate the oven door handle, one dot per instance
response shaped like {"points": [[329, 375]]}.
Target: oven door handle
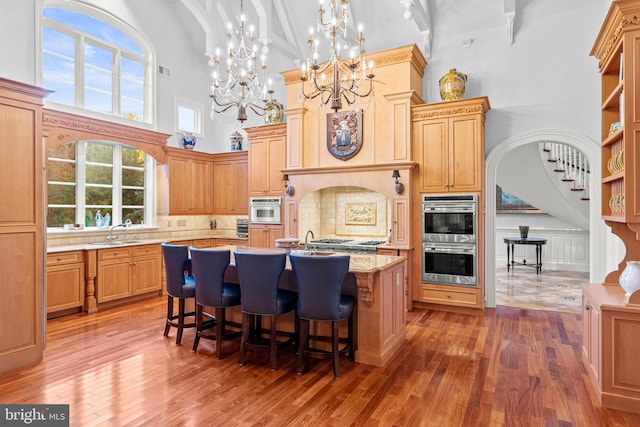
{"points": [[449, 250]]}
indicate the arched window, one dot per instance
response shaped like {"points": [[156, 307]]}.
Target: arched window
{"points": [[92, 60]]}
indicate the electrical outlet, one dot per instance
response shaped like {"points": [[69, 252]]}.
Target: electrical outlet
{"points": [[182, 223], [168, 223]]}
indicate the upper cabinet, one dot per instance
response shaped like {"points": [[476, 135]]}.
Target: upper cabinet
{"points": [[230, 174], [618, 50], [190, 176], [449, 139], [267, 157]]}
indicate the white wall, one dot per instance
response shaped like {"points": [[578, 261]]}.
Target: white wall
{"points": [[546, 79]]}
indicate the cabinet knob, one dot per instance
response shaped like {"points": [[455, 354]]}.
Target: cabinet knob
{"points": [[449, 296], [586, 307], [59, 258]]}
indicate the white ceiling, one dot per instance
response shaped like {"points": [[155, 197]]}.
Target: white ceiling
{"points": [[284, 24]]}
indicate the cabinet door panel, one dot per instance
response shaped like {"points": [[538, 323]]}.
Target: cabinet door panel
{"points": [[179, 186], [223, 191], [200, 187], [114, 280], [433, 155], [65, 287], [276, 163], [241, 188], [258, 175], [146, 275], [464, 155]]}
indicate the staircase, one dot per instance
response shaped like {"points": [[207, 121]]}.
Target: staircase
{"points": [[572, 164]]}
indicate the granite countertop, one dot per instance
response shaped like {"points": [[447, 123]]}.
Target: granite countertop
{"points": [[136, 242], [358, 263]]}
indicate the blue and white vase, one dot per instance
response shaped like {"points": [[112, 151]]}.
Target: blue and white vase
{"points": [[188, 140]]}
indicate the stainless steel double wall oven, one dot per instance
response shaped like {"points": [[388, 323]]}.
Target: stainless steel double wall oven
{"points": [[450, 239]]}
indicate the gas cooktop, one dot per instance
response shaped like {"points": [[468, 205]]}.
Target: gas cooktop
{"points": [[346, 245]]}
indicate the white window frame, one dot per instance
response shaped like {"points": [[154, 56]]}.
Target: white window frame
{"points": [[116, 202], [148, 58], [198, 112]]}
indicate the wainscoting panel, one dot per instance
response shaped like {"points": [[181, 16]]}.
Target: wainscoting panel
{"points": [[566, 249]]}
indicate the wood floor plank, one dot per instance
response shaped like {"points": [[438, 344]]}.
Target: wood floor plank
{"points": [[507, 367]]}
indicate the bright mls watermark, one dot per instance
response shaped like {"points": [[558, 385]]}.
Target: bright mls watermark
{"points": [[34, 415]]}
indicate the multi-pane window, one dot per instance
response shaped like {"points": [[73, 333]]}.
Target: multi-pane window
{"points": [[95, 62], [88, 177], [93, 65]]}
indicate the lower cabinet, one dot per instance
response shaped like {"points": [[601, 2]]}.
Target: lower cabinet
{"points": [[610, 345], [127, 272], [264, 236], [65, 282], [448, 295]]}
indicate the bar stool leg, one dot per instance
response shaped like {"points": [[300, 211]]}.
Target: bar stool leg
{"points": [[334, 349], [246, 325], [302, 344], [181, 304], [273, 343], [169, 315]]}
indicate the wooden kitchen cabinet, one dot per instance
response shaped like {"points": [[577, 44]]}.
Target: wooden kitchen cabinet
{"points": [[400, 225], [230, 176], [65, 282], [449, 138], [21, 224], [190, 179], [264, 236], [267, 157], [128, 271], [203, 243], [291, 218], [610, 345], [591, 338]]}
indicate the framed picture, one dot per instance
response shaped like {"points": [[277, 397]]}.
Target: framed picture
{"points": [[344, 134], [508, 203], [360, 213]]}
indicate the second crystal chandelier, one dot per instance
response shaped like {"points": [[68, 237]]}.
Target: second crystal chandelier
{"points": [[346, 74], [242, 84]]}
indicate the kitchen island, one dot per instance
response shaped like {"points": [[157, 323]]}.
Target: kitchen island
{"points": [[378, 282]]}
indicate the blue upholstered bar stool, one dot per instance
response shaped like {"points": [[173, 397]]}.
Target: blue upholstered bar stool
{"points": [[259, 275], [209, 266], [180, 284], [319, 280]]}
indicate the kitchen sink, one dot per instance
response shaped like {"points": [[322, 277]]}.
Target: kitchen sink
{"points": [[117, 243]]}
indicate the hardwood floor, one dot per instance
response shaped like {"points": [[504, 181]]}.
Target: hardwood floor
{"points": [[507, 367]]}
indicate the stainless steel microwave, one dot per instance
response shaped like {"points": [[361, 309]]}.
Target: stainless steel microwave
{"points": [[265, 210]]}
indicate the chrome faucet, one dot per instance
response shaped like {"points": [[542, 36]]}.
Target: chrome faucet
{"points": [[110, 239], [306, 236]]}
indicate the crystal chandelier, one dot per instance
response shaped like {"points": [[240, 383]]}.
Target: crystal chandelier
{"points": [[346, 74], [242, 84]]}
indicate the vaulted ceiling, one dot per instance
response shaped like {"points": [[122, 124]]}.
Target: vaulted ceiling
{"points": [[283, 25]]}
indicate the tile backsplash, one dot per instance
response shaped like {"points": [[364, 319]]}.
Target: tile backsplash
{"points": [[167, 227]]}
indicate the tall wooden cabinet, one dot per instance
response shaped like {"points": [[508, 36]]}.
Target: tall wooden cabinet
{"points": [[611, 319], [267, 146], [267, 157], [21, 225], [448, 144]]}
